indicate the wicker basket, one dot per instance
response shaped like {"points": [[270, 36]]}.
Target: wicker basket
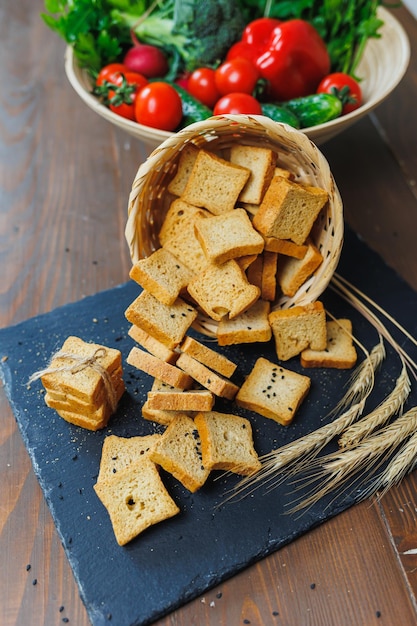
{"points": [[149, 201]]}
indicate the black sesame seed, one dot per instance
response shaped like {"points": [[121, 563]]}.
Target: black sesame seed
{"points": [[65, 620], [290, 408], [61, 608], [275, 613], [28, 567], [378, 613], [219, 595], [313, 586], [35, 581]]}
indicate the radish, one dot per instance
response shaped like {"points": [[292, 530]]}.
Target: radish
{"points": [[148, 60]]}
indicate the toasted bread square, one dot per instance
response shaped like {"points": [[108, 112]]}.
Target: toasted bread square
{"points": [[162, 275], [228, 236], [185, 165], [118, 453], [214, 183], [222, 290], [161, 370], [214, 360], [179, 452], [289, 210], [180, 215], [227, 443], [248, 327], [340, 353], [168, 324], [206, 377], [152, 345], [299, 328], [261, 163], [273, 391], [292, 273], [135, 499]]}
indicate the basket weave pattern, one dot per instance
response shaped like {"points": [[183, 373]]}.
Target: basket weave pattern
{"points": [[149, 200]]}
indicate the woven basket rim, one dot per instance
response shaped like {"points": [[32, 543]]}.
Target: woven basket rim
{"points": [[160, 160]]}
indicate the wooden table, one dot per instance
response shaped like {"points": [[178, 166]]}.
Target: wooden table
{"points": [[65, 177]]}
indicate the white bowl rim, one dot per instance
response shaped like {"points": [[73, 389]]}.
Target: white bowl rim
{"points": [[155, 134]]}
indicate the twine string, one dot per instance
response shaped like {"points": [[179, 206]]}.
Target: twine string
{"points": [[80, 363]]}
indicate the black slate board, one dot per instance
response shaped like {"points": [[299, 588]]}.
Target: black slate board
{"points": [[179, 559]]}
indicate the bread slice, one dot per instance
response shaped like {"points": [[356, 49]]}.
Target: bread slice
{"points": [[249, 327], [167, 324], [193, 400], [261, 162], [153, 366], [254, 272], [152, 345], [162, 275], [222, 290], [212, 359], [206, 377], [77, 370], [298, 328], [185, 165], [340, 353], [293, 272], [214, 183], [186, 247], [273, 391], [135, 499], [228, 236], [119, 452], [227, 443], [72, 403], [289, 210], [158, 415], [285, 246], [269, 276], [179, 452], [179, 216]]}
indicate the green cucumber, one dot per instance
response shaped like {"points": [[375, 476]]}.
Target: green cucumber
{"points": [[192, 109], [318, 108], [280, 114]]}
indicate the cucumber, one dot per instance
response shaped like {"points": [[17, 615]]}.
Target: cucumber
{"points": [[315, 109], [192, 109], [280, 114]]}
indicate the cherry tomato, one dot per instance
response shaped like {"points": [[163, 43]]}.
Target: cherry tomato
{"points": [[122, 98], [110, 73], [202, 85], [237, 103], [238, 75], [345, 87], [159, 105]]}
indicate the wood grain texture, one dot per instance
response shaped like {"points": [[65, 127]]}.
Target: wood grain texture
{"points": [[65, 176]]}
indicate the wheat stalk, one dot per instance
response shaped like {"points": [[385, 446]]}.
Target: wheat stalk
{"points": [[338, 467], [363, 377], [402, 464], [392, 404]]}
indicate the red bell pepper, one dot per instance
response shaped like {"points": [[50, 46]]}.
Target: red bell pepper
{"points": [[291, 56]]}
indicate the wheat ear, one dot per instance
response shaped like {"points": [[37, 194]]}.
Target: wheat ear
{"points": [[338, 467], [402, 464], [391, 405], [362, 380]]}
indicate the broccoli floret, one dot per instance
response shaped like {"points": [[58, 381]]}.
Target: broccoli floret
{"points": [[201, 32]]}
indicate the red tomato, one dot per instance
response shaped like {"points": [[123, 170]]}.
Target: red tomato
{"points": [[202, 85], [110, 73], [238, 75], [236, 103], [159, 105], [345, 87], [122, 98]]}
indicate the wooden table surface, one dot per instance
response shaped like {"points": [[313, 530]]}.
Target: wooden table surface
{"points": [[65, 176]]}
